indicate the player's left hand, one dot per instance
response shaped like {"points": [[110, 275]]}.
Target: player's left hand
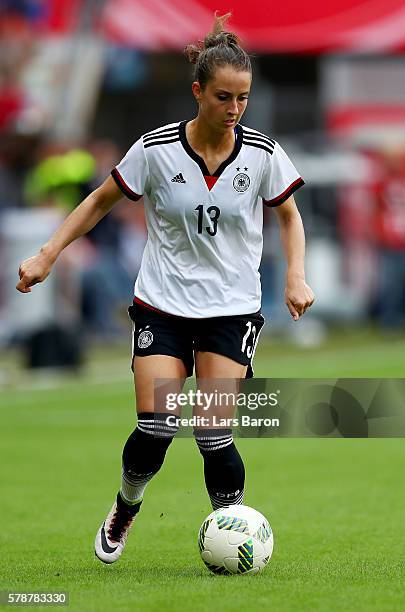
{"points": [[298, 296]]}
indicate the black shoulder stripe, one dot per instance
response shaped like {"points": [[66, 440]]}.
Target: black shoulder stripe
{"points": [[161, 142], [267, 141], [251, 132], [160, 136], [260, 139], [162, 131], [259, 146]]}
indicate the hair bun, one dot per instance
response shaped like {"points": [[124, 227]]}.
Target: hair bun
{"points": [[213, 39], [227, 52], [221, 38]]}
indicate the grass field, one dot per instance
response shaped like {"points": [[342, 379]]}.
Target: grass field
{"points": [[336, 506]]}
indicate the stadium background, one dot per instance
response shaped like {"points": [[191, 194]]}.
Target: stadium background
{"points": [[79, 82]]}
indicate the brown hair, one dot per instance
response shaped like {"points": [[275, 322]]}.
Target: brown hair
{"points": [[219, 48]]}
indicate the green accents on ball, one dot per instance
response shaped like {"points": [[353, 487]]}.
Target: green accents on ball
{"points": [[263, 533], [232, 523], [245, 554]]}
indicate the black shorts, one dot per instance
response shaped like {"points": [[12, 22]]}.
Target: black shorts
{"points": [[159, 333]]}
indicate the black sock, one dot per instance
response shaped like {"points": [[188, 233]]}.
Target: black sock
{"points": [[223, 467], [144, 453]]}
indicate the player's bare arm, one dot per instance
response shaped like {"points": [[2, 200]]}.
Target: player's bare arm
{"points": [[298, 295], [87, 214]]}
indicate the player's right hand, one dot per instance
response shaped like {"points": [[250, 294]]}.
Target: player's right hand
{"points": [[32, 271]]}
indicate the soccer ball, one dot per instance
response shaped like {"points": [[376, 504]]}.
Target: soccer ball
{"points": [[235, 540]]}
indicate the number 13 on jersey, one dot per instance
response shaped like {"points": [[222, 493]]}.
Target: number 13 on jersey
{"points": [[213, 213]]}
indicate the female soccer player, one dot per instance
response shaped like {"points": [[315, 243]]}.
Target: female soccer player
{"points": [[197, 295]]}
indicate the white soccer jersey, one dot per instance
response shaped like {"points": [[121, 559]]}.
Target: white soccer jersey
{"points": [[205, 239]]}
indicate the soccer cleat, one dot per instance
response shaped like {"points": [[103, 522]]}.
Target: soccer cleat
{"points": [[112, 535]]}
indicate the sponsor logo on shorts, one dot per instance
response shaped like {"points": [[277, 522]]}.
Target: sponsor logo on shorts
{"points": [[145, 338], [241, 182]]}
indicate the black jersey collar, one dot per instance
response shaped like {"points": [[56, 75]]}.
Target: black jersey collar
{"points": [[200, 161]]}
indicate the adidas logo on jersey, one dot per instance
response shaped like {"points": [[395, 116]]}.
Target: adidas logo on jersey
{"points": [[178, 178]]}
